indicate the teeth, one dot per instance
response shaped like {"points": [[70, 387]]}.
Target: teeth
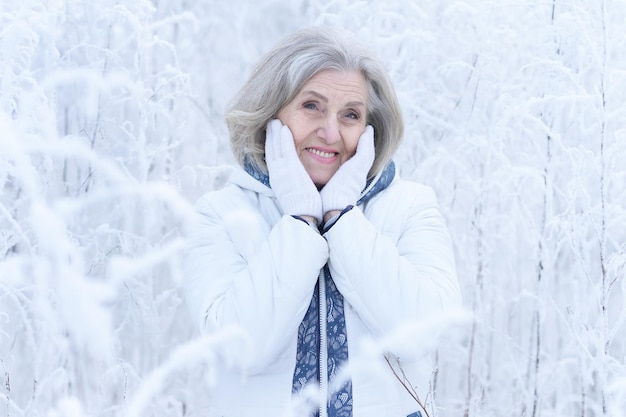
{"points": [[322, 154]]}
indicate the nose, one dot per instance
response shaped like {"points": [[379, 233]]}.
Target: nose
{"points": [[329, 131]]}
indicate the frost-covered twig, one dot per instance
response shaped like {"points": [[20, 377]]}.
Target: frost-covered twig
{"points": [[202, 350], [405, 382], [605, 285]]}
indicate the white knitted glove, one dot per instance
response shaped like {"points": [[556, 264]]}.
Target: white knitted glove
{"points": [[345, 187], [292, 185]]}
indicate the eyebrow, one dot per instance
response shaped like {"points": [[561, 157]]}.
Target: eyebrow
{"points": [[325, 99]]}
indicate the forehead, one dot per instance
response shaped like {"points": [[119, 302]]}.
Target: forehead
{"points": [[338, 85]]}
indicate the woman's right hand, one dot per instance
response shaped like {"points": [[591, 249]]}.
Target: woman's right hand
{"points": [[295, 191]]}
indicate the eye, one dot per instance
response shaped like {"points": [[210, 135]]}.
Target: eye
{"points": [[353, 115], [310, 105]]}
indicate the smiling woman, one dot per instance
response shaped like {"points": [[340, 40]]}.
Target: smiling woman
{"points": [[317, 249]]}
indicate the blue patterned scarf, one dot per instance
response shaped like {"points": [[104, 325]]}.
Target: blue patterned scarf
{"points": [[308, 354]]}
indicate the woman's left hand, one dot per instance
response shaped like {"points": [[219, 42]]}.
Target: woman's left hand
{"points": [[345, 187]]}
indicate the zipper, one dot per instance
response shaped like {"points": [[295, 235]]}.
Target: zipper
{"points": [[370, 186], [323, 347]]}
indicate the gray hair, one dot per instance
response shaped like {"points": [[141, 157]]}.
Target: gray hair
{"points": [[282, 72]]}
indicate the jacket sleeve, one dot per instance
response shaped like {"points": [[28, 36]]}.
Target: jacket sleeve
{"points": [[388, 280], [242, 272]]}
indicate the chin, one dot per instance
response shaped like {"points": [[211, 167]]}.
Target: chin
{"points": [[320, 180]]}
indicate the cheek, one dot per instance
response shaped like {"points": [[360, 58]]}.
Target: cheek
{"points": [[351, 143], [298, 132], [289, 119]]}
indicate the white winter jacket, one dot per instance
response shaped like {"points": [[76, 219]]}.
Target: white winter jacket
{"points": [[252, 268]]}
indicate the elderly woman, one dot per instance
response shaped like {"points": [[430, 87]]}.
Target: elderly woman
{"points": [[317, 250]]}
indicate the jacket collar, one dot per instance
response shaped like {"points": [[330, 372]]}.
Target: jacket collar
{"points": [[378, 183]]}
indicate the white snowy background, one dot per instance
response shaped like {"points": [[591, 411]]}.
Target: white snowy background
{"points": [[111, 126]]}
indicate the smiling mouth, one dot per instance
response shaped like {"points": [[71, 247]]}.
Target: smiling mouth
{"points": [[321, 154]]}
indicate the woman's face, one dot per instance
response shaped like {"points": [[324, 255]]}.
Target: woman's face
{"points": [[326, 118]]}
